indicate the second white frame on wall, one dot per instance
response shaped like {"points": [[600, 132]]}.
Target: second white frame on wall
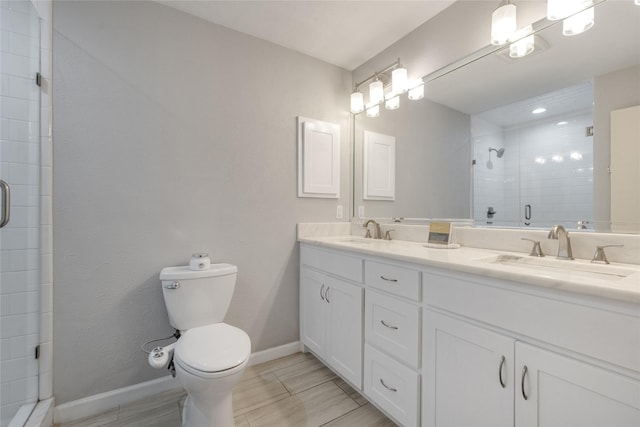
{"points": [[379, 166]]}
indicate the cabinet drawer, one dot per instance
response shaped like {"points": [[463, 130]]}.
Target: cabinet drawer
{"points": [[393, 326], [392, 386], [332, 262], [394, 279]]}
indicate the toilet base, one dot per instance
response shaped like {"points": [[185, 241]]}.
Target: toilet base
{"points": [[209, 400], [218, 415]]}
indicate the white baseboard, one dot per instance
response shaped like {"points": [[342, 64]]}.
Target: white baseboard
{"points": [[99, 403], [275, 353], [102, 402]]}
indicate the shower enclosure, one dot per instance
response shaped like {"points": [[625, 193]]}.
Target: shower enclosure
{"points": [[20, 210]]}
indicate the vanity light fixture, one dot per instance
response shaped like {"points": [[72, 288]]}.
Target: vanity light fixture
{"points": [[357, 102], [576, 155], [539, 110], [557, 158], [523, 42], [578, 15], [376, 91], [580, 22], [373, 111], [394, 78], [393, 102], [503, 23], [557, 9], [399, 80]]}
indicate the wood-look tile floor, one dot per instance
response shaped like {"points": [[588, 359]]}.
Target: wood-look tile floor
{"points": [[294, 391]]}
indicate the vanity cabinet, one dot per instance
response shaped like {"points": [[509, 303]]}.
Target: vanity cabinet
{"points": [[468, 374], [475, 376], [331, 311], [489, 373], [392, 339], [438, 347]]}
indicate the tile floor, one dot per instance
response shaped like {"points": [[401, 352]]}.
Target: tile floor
{"points": [[294, 391]]}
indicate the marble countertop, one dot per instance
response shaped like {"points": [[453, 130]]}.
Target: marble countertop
{"points": [[614, 281]]}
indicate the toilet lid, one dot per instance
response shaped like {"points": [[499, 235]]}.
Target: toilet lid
{"points": [[213, 348]]}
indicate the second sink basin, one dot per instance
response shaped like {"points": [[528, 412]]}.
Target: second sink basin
{"points": [[582, 268]]}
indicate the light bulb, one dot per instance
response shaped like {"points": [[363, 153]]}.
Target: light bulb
{"points": [[357, 102], [578, 23], [524, 44], [392, 103], [373, 111], [637, 2], [503, 23], [417, 90], [557, 9], [399, 80], [376, 92]]}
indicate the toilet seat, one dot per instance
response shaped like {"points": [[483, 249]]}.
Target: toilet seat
{"points": [[212, 350]]}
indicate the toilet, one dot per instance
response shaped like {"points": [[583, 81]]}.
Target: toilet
{"points": [[210, 356]]}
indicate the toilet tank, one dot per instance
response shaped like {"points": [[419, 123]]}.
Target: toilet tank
{"points": [[196, 298]]}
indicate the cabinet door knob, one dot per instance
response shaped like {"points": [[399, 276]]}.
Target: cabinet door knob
{"points": [[502, 362], [524, 374], [388, 280], [387, 387], [322, 290], [389, 326]]}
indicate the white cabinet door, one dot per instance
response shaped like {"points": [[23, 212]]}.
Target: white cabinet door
{"points": [[565, 392], [344, 346], [467, 374], [313, 310]]}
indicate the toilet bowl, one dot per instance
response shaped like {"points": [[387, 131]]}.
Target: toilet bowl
{"points": [[210, 356], [209, 362]]}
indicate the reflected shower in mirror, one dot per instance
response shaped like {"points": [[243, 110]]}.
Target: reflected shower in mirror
{"points": [[547, 177]]}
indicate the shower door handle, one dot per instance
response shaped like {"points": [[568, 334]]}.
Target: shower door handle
{"points": [[527, 214], [6, 203]]}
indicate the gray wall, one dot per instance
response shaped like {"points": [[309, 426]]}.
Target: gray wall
{"points": [[174, 135]]}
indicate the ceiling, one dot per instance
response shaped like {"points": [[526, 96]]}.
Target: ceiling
{"points": [[343, 33]]}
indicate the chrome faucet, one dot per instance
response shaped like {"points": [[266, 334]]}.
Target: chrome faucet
{"points": [[377, 233], [559, 233]]}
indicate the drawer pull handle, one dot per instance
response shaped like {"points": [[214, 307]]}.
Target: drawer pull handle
{"points": [[326, 294], [502, 362], [387, 387], [524, 374], [389, 326], [322, 290], [388, 280]]}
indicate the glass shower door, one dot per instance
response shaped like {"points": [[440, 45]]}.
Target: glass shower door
{"points": [[20, 211]]}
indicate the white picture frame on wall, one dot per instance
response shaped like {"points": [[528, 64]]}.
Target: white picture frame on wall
{"points": [[318, 159], [379, 166]]}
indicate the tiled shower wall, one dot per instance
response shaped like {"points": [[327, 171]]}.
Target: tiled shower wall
{"points": [[26, 162], [19, 242]]}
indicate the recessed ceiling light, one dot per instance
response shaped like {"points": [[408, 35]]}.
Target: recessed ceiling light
{"points": [[562, 123], [539, 110]]}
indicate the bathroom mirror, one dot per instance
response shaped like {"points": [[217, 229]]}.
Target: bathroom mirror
{"points": [[473, 149]]}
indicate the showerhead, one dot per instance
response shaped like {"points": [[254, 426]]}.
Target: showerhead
{"points": [[499, 151]]}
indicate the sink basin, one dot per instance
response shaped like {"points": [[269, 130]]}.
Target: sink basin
{"points": [[584, 269]]}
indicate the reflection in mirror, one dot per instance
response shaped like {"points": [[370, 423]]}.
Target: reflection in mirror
{"points": [[549, 172]]}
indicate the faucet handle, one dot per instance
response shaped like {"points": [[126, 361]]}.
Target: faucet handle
{"points": [[537, 249], [600, 256], [367, 235], [387, 235]]}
